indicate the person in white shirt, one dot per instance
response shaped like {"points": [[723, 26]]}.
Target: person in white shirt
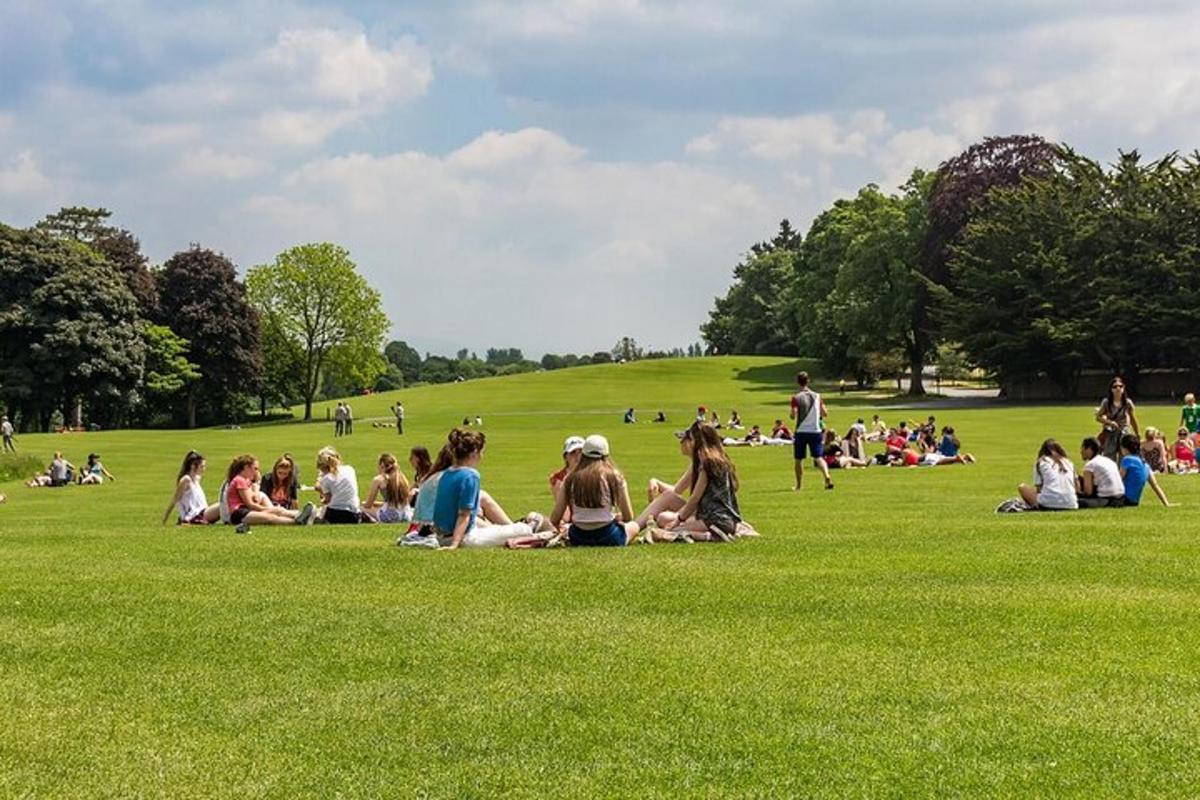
{"points": [[808, 409], [1100, 484], [6, 430], [1053, 486], [338, 485]]}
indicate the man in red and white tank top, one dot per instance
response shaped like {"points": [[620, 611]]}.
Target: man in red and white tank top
{"points": [[808, 409]]}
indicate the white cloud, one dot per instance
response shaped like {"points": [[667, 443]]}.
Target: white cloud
{"points": [[207, 162], [22, 176], [497, 148], [788, 138], [549, 19]]}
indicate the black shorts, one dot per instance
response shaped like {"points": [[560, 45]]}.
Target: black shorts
{"points": [[237, 517], [1102, 502], [807, 441]]}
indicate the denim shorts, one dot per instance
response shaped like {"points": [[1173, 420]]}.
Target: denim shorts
{"points": [[611, 535]]}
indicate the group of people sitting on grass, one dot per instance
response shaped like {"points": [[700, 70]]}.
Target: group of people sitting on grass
{"points": [[445, 506], [60, 472], [1103, 483]]}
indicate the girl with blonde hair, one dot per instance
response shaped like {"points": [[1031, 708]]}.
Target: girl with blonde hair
{"points": [[338, 485]]}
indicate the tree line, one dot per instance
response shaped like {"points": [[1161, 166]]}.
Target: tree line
{"points": [[1017, 256], [92, 334]]}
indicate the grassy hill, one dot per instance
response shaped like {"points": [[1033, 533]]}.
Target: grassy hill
{"points": [[892, 637]]}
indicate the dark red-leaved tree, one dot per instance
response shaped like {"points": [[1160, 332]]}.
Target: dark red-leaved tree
{"points": [[960, 188]]}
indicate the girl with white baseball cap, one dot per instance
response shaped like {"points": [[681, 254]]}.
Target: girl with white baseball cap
{"points": [[598, 498]]}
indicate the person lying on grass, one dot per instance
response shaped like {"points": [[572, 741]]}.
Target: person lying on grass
{"points": [[835, 455], [189, 499], [456, 512], [592, 491], [1053, 487], [1099, 485], [711, 512], [1136, 473], [245, 507], [387, 498], [338, 485]]}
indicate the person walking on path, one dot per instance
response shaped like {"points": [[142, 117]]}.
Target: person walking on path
{"points": [[6, 430], [398, 410], [808, 409]]}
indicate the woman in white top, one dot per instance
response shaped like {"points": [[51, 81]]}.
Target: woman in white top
{"points": [[338, 486], [189, 497], [1053, 486]]}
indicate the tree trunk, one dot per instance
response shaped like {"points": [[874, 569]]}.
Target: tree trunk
{"points": [[308, 408], [191, 409], [916, 363]]}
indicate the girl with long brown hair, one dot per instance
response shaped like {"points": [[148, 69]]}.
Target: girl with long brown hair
{"points": [[1053, 486], [189, 498], [592, 491], [242, 506], [711, 512], [459, 519], [387, 499]]}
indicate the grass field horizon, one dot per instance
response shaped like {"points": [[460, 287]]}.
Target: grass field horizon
{"points": [[893, 637]]}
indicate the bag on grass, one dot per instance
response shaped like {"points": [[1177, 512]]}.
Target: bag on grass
{"points": [[1012, 505]]}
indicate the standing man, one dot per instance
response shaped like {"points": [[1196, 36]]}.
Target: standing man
{"points": [[339, 420], [349, 420], [6, 430], [808, 409], [398, 410]]}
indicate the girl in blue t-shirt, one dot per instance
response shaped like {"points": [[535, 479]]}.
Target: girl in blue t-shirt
{"points": [[456, 510]]}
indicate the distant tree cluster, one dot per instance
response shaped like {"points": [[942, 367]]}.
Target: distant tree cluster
{"points": [[1017, 256], [91, 334]]}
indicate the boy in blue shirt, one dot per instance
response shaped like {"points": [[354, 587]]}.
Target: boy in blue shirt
{"points": [[1135, 472]]}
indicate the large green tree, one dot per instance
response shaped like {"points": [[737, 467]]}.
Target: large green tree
{"points": [[68, 330], [203, 301], [316, 297]]}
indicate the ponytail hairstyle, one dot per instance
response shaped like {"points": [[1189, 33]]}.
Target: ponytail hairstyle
{"points": [[1053, 450], [328, 460], [395, 485], [239, 464], [595, 483], [464, 444], [708, 454], [445, 460], [189, 463], [423, 466]]}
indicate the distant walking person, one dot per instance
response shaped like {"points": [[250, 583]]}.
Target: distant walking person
{"points": [[808, 409], [6, 430], [339, 420], [398, 410], [1118, 416], [349, 414]]}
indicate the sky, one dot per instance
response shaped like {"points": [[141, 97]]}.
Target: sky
{"points": [[549, 174]]}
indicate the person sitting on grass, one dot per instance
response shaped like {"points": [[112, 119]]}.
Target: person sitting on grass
{"points": [[854, 447], [894, 446], [572, 450], [711, 512], [879, 430], [94, 473], [1099, 485], [591, 492], [1185, 452], [189, 498], [660, 417], [387, 497], [242, 508], [280, 485], [456, 513], [1053, 486], [781, 431], [1136, 473], [338, 485], [663, 496], [1154, 450], [629, 417], [735, 422], [57, 473], [835, 455]]}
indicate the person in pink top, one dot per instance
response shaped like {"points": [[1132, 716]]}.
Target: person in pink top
{"points": [[245, 507]]}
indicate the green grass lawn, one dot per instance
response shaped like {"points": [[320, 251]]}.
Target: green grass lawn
{"points": [[891, 638]]}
